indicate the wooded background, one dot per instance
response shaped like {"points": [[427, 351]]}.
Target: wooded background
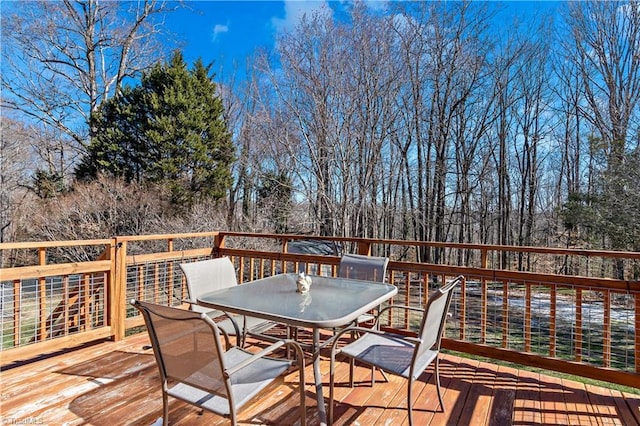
{"points": [[431, 121]]}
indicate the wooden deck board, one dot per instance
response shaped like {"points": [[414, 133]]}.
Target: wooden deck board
{"points": [[503, 397], [553, 408], [602, 404], [578, 407], [117, 383], [527, 406], [478, 402], [455, 391]]}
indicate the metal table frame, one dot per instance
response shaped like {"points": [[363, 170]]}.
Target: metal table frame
{"points": [[332, 302]]}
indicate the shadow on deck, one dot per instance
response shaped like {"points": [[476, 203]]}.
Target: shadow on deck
{"points": [[118, 384]]}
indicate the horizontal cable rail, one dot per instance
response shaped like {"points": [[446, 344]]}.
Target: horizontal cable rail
{"points": [[579, 320]]}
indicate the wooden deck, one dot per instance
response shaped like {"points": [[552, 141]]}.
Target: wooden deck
{"points": [[118, 384]]}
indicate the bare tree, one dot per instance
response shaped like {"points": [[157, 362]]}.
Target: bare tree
{"points": [[102, 208], [60, 60], [339, 84], [531, 112], [267, 144], [444, 48], [15, 170], [603, 48]]}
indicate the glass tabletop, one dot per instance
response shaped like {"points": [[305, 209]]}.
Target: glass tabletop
{"points": [[330, 302]]}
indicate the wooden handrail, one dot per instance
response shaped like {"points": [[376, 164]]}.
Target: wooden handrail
{"points": [[482, 325], [50, 244], [488, 247]]}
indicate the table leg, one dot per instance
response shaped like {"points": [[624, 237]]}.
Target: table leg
{"points": [[322, 412]]}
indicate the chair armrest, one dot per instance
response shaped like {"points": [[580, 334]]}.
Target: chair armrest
{"points": [[222, 313], [234, 323], [404, 307], [414, 340], [333, 340], [375, 330], [390, 307], [269, 349]]}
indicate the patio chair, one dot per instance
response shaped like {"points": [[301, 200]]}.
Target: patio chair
{"points": [[195, 368], [398, 354], [368, 268], [214, 274], [359, 267]]}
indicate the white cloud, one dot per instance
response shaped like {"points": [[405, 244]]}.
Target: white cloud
{"points": [[380, 5], [219, 29], [294, 10]]}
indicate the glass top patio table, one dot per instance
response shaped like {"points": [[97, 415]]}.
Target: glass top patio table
{"points": [[331, 302]]}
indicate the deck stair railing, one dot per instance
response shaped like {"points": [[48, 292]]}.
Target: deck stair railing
{"points": [[560, 309]]}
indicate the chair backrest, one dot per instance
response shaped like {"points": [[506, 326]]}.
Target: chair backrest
{"points": [[359, 267], [208, 275], [435, 316], [187, 346]]}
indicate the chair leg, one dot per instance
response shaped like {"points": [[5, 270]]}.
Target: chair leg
{"points": [[373, 376], [240, 340], [332, 373], [386, 378], [165, 409], [227, 341], [292, 334], [303, 403], [437, 374], [351, 366], [409, 399]]}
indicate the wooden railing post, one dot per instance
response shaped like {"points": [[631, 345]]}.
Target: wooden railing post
{"points": [[42, 286], [484, 309], [552, 320], [170, 270], [505, 314], [218, 243], [364, 248], [117, 290], [527, 317], [636, 298], [483, 298], [606, 329], [285, 249], [17, 311], [463, 309], [578, 327]]}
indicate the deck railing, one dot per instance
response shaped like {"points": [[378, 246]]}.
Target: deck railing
{"points": [[578, 321]]}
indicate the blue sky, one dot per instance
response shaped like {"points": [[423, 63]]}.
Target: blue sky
{"points": [[225, 31], [217, 30]]}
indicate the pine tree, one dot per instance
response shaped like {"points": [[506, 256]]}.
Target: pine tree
{"points": [[170, 129]]}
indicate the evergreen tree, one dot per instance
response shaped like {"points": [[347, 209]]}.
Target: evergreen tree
{"points": [[170, 129], [275, 196]]}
